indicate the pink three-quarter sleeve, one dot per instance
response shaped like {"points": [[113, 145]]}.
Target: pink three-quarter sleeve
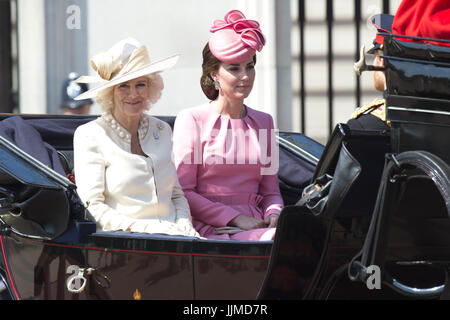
{"points": [[188, 157], [269, 188]]}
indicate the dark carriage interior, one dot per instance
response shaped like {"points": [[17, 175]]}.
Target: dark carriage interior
{"points": [[57, 131]]}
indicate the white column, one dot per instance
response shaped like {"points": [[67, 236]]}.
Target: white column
{"points": [[284, 65], [66, 45], [263, 96], [32, 61], [272, 91]]}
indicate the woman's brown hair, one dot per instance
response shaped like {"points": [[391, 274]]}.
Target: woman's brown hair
{"points": [[210, 64]]}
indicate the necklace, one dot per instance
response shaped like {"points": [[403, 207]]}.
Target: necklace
{"points": [[242, 114], [122, 132]]}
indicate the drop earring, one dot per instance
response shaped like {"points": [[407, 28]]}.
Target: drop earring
{"points": [[216, 85]]}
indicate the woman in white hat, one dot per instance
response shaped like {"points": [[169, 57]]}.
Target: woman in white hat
{"points": [[123, 166]]}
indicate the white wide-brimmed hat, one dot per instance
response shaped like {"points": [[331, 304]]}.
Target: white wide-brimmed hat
{"points": [[126, 60]]}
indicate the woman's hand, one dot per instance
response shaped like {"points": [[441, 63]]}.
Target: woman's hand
{"points": [[246, 223], [271, 220]]}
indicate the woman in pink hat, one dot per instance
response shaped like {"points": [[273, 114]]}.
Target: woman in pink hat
{"points": [[123, 159], [225, 152]]}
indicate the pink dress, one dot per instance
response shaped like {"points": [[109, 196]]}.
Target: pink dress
{"points": [[227, 167]]}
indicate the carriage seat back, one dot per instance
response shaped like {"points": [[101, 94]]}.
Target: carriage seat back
{"points": [[417, 96]]}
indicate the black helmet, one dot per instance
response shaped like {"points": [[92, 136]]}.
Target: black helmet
{"points": [[72, 89]]}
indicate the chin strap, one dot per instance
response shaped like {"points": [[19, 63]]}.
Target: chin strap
{"points": [[361, 64]]}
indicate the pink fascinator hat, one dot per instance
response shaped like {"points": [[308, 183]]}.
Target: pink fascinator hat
{"points": [[235, 39]]}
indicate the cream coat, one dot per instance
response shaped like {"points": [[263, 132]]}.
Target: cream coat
{"points": [[122, 189]]}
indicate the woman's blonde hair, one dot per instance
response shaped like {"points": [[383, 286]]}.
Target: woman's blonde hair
{"points": [[105, 98]]}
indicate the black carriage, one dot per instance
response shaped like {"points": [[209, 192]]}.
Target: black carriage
{"points": [[51, 249], [373, 221], [378, 225]]}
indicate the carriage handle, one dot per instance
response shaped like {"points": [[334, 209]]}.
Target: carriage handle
{"points": [[77, 282]]}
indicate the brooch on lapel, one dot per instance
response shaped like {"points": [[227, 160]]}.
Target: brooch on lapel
{"points": [[160, 127]]}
